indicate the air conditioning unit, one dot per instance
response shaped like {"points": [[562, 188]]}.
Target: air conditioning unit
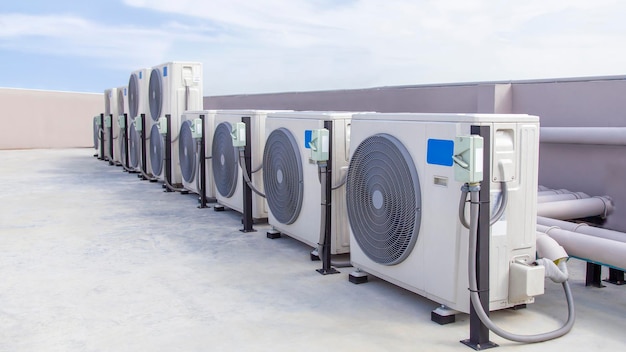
{"points": [[96, 135], [137, 105], [227, 173], [291, 181], [174, 87], [110, 114], [119, 150], [190, 134], [402, 201]]}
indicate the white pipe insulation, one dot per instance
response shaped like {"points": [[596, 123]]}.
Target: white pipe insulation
{"points": [[559, 197], [583, 135], [583, 229], [576, 209], [599, 250], [551, 192]]}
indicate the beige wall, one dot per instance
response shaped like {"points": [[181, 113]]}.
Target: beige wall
{"points": [[47, 119]]}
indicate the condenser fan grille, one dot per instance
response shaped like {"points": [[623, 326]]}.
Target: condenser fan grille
{"points": [[187, 152], [120, 102], [134, 143], [133, 96], [156, 150], [96, 132], [282, 176], [155, 97], [383, 199], [224, 160]]}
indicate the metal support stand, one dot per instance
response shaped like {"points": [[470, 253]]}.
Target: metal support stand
{"points": [[101, 133], [593, 277], [126, 154], [479, 333], [111, 153], [168, 153], [144, 159], [616, 277], [328, 191], [202, 166], [247, 220]]}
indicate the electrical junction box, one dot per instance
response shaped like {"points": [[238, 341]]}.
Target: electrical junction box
{"points": [[121, 121], [107, 121], [239, 134], [525, 281], [319, 144], [162, 125], [468, 159], [196, 128], [138, 123]]}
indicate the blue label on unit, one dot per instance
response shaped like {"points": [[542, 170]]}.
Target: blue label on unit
{"points": [[440, 152], [140, 74], [307, 138], [164, 71]]}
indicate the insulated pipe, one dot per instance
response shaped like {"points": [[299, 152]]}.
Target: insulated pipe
{"points": [[542, 188], [576, 209], [599, 250], [550, 192], [560, 197], [583, 229], [583, 135]]}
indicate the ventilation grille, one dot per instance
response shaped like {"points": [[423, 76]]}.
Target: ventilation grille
{"points": [[187, 152], [96, 131], [282, 176], [156, 150], [134, 145], [120, 102], [155, 94], [383, 199], [133, 96], [224, 160]]}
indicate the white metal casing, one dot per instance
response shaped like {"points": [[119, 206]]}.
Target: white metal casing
{"points": [[138, 90], [257, 143], [437, 266], [209, 126], [110, 112], [306, 228], [118, 130], [181, 90]]}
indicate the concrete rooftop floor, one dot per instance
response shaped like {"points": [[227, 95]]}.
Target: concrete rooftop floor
{"points": [[93, 259]]}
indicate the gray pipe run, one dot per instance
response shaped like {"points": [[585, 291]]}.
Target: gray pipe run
{"points": [[583, 229], [576, 209], [584, 135], [542, 188], [551, 192], [559, 197], [599, 250]]}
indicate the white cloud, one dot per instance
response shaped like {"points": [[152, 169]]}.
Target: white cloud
{"points": [[277, 45]]}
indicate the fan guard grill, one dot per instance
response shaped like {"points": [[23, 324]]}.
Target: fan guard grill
{"points": [[383, 199], [224, 160], [187, 152], [133, 96], [282, 176], [133, 147], [155, 97], [156, 150]]}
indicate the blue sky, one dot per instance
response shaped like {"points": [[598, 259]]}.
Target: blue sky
{"points": [[258, 46]]}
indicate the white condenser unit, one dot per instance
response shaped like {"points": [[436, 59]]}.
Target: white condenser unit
{"points": [[189, 142], [96, 133], [119, 151], [227, 172], [110, 115], [138, 107], [174, 87], [403, 201], [291, 180]]}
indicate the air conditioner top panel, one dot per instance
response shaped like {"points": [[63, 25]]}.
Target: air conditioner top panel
{"points": [[248, 112], [438, 117], [314, 115], [199, 112]]}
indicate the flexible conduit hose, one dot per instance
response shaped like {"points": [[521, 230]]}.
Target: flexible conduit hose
{"points": [[504, 199], [323, 169], [244, 170], [475, 298]]}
